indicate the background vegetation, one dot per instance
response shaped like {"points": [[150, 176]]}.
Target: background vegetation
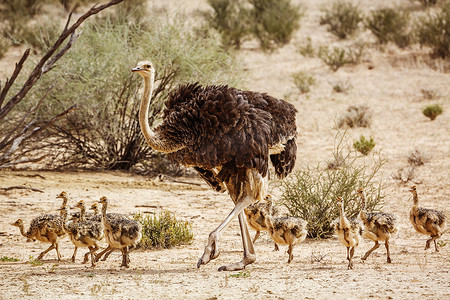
{"points": [[311, 193]]}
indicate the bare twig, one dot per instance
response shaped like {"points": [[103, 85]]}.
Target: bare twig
{"points": [[23, 161], [21, 187], [44, 65], [16, 72]]}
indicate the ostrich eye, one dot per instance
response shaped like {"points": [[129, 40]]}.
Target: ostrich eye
{"points": [[148, 66]]}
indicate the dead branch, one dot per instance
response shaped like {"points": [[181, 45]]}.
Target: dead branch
{"points": [[22, 161], [47, 62], [21, 187]]}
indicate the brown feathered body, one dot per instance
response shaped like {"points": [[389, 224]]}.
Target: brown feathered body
{"points": [[120, 233], [257, 213], [427, 221], [46, 229], [287, 231], [230, 129], [84, 233], [379, 226]]}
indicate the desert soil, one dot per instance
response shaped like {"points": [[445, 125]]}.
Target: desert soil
{"points": [[389, 81]]}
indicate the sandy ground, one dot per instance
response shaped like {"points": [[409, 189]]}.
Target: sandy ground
{"points": [[391, 87]]}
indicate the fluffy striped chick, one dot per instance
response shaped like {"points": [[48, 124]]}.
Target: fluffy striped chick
{"points": [[427, 221], [83, 233], [97, 217], [287, 231], [45, 229], [120, 233], [349, 232], [256, 216], [379, 227]]}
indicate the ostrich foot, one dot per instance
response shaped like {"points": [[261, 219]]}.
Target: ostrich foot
{"points": [[239, 265], [211, 250]]}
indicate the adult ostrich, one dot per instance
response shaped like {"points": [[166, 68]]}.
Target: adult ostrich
{"points": [[227, 135]]}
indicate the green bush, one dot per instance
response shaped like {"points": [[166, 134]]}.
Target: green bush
{"points": [[342, 17], [4, 46], [364, 146], [15, 15], [338, 57], [434, 31], [427, 3], [390, 25], [274, 22], [303, 81], [164, 231], [432, 111], [104, 131], [231, 19], [311, 192], [307, 49]]}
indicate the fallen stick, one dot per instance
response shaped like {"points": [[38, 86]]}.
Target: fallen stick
{"points": [[21, 187]]}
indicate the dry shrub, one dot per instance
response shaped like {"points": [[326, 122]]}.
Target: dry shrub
{"points": [[390, 25], [274, 22], [230, 18], [416, 158], [405, 174], [342, 17], [356, 116], [337, 57], [303, 81], [311, 193], [434, 31]]}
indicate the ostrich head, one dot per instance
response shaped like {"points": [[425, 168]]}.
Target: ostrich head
{"points": [[413, 189], [359, 192], [339, 201], [62, 195], [103, 200], [145, 69], [18, 223], [80, 204], [94, 206]]}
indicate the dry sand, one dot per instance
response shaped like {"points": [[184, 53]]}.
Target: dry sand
{"points": [[391, 87]]}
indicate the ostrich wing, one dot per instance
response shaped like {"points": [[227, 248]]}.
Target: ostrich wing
{"points": [[221, 126]]}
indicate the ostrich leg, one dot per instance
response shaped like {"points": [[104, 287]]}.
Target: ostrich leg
{"points": [[249, 251], [212, 247], [244, 190]]}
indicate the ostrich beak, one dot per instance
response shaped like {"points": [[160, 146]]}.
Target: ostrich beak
{"points": [[137, 69]]}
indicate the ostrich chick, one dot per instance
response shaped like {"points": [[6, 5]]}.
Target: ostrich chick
{"points": [[379, 226], [46, 229], [348, 232], [83, 234], [120, 233], [427, 221], [287, 231], [256, 216]]}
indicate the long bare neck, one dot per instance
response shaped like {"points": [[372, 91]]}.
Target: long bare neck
{"points": [[103, 215], [362, 213], [82, 212], [22, 230], [64, 215], [152, 138], [343, 220], [415, 198]]}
